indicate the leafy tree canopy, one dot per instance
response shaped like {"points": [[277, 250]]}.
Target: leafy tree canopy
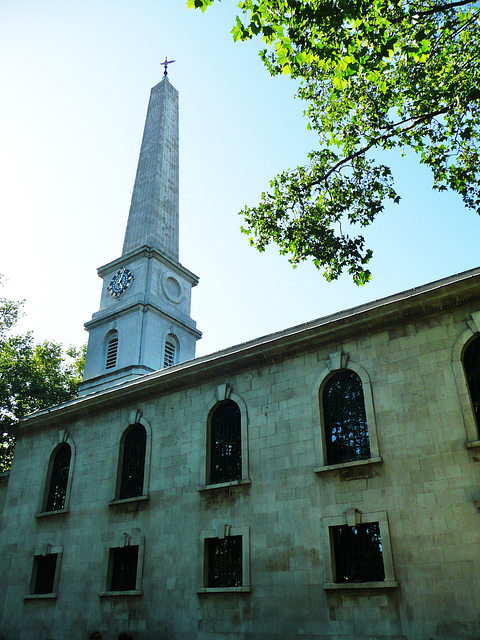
{"points": [[32, 376], [376, 74]]}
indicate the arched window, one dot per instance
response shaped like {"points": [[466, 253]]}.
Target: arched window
{"points": [[346, 431], [133, 462], [471, 362], [58, 482], [225, 443], [170, 356], [112, 350]]}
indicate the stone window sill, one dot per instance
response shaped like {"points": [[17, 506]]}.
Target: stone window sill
{"points": [[384, 584], [116, 594], [349, 465], [473, 444], [206, 590], [135, 499], [40, 596], [222, 485], [58, 512]]}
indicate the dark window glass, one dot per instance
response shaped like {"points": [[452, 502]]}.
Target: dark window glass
{"points": [[112, 351], [133, 464], [346, 431], [358, 553], [59, 478], [124, 568], [224, 558], [225, 443], [471, 362], [45, 573]]}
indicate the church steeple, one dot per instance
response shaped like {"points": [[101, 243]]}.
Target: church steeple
{"points": [[153, 217], [144, 321]]}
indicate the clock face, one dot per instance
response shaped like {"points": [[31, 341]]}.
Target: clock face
{"points": [[120, 283]]}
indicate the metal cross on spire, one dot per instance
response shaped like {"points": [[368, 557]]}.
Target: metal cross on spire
{"points": [[165, 65]]}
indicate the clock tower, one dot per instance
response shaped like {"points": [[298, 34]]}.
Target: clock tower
{"points": [[144, 321]]}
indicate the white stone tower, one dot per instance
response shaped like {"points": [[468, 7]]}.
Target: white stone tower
{"points": [[144, 321]]}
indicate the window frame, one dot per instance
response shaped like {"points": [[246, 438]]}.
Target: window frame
{"points": [[42, 552], [224, 531], [136, 417], [62, 439], [121, 543], [337, 363], [224, 392], [351, 518], [472, 429]]}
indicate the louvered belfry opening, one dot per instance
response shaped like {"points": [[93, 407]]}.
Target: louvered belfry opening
{"points": [[60, 468], [170, 353], [45, 573], [346, 431], [358, 553], [124, 568], [225, 443], [471, 363], [112, 352], [133, 462], [224, 557]]}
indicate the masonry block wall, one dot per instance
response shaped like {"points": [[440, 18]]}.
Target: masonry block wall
{"points": [[423, 481]]}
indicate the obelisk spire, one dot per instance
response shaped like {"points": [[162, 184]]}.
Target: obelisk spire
{"points": [[144, 322], [154, 211]]}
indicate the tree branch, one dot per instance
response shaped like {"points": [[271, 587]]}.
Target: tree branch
{"points": [[415, 122], [442, 8]]}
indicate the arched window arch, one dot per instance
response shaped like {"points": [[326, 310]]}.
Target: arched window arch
{"points": [[111, 351], [225, 443], [345, 420], [343, 408], [132, 469], [170, 352], [465, 368], [58, 476], [471, 364]]}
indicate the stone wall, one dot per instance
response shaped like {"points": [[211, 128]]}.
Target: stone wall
{"points": [[426, 483]]}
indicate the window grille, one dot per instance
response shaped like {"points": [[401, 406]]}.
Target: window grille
{"points": [[45, 567], [471, 362], [124, 562], [170, 352], [133, 462], [112, 351], [358, 553], [224, 561], [225, 443], [59, 478], [346, 431]]}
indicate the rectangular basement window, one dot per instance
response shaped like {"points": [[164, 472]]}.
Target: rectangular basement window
{"points": [[224, 560], [45, 573], [124, 560], [360, 551]]}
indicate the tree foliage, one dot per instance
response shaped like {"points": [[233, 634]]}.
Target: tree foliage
{"points": [[32, 376], [375, 75]]}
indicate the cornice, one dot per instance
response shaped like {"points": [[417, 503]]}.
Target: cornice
{"points": [[147, 251], [104, 316]]}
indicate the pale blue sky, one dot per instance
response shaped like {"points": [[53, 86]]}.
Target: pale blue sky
{"points": [[74, 85]]}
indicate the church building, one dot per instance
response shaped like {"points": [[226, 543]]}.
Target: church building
{"points": [[321, 483]]}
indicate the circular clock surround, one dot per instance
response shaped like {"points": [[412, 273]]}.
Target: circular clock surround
{"points": [[171, 287], [120, 282]]}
